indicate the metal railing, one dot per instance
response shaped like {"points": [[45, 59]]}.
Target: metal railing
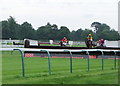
{"points": [[70, 54]]}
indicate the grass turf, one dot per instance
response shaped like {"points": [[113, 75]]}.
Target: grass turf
{"points": [[36, 70], [79, 45]]}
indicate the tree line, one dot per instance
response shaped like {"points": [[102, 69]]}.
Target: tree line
{"points": [[11, 29]]}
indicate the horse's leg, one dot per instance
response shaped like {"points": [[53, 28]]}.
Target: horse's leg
{"points": [[87, 44], [90, 43]]}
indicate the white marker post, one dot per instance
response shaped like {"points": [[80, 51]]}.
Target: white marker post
{"points": [[51, 41]]}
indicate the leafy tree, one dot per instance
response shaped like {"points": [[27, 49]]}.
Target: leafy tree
{"points": [[72, 35], [97, 26], [48, 26], [26, 31], [78, 34], [43, 33], [109, 35], [63, 32], [54, 26], [114, 35], [104, 31], [103, 35], [12, 27], [5, 30], [54, 32]]}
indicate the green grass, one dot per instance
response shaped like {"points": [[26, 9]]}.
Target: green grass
{"points": [[36, 70], [49, 45], [7, 43], [79, 45]]}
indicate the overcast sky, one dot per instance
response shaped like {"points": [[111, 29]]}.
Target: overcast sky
{"points": [[74, 14]]}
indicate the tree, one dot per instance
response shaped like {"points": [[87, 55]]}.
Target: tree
{"points": [[63, 32], [48, 26], [97, 26], [114, 35], [5, 30], [12, 27], [43, 33], [54, 26], [104, 35], [72, 35], [78, 34], [27, 31], [54, 32]]}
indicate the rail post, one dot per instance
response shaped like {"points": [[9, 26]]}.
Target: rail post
{"points": [[49, 65], [22, 57], [70, 59], [102, 59], [87, 52], [88, 60]]}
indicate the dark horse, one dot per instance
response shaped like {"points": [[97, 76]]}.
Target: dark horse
{"points": [[90, 43]]}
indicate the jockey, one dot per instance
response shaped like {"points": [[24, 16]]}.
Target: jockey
{"points": [[102, 42], [90, 37], [88, 41], [64, 40], [99, 42]]}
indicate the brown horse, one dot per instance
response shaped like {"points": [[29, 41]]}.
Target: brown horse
{"points": [[90, 43]]}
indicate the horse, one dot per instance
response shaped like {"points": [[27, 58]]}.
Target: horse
{"points": [[63, 44], [90, 43]]}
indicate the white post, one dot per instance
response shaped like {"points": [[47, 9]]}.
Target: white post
{"points": [[70, 43], [118, 43], [51, 41]]}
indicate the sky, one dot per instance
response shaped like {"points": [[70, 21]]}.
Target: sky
{"points": [[74, 14]]}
